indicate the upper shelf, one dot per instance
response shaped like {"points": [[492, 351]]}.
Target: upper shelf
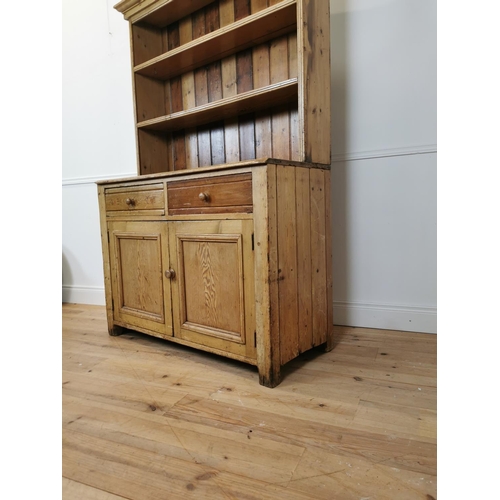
{"points": [[163, 13], [263, 98], [253, 30]]}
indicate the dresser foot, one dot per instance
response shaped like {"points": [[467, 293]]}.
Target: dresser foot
{"points": [[116, 331], [270, 378]]}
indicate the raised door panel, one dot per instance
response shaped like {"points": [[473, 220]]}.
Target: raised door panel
{"points": [[141, 291], [213, 292]]}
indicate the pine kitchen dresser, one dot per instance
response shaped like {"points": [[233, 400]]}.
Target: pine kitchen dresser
{"points": [[222, 241]]}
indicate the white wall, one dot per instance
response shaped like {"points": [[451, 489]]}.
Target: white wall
{"points": [[384, 153], [98, 135]]}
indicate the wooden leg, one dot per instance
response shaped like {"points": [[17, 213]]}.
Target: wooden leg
{"points": [[115, 330], [328, 345], [270, 378]]}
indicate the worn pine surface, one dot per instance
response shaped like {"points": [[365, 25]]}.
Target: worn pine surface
{"points": [[270, 129], [147, 419]]}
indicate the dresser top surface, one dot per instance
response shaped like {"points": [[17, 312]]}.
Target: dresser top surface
{"points": [[216, 168]]}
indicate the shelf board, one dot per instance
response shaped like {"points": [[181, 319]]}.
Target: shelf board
{"points": [[247, 102], [158, 13], [253, 30]]}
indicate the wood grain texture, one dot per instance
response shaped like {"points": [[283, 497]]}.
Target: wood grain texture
{"points": [[106, 258], [241, 9], [217, 144], [215, 52], [244, 72], [191, 135], [179, 144], [287, 263], [261, 78], [293, 69], [141, 293], [185, 30], [318, 234], [133, 199], [212, 297], [205, 112], [199, 24], [247, 137], [294, 112], [314, 76], [172, 36], [229, 87], [280, 116], [294, 134], [257, 5], [304, 264], [234, 80], [212, 18], [204, 147], [176, 95], [141, 420], [146, 43], [266, 276], [214, 74], [72, 490], [226, 12], [189, 96], [261, 66], [207, 47], [150, 101], [329, 260], [222, 193], [281, 132], [153, 153], [213, 293]]}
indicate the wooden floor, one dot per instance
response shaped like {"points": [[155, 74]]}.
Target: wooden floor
{"points": [[148, 419]]}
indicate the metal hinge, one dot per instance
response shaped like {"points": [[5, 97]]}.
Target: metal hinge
{"points": [[253, 242], [255, 339]]}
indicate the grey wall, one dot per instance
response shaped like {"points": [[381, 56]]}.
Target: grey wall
{"points": [[384, 163]]}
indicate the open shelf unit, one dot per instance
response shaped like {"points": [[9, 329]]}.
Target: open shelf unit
{"points": [[229, 80]]}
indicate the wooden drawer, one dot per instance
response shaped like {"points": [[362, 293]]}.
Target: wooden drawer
{"points": [[139, 200], [221, 195]]}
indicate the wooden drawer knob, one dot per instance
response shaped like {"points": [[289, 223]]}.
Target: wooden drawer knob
{"points": [[204, 197], [130, 202], [170, 274]]}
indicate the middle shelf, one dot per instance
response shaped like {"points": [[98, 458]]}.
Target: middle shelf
{"points": [[261, 98]]}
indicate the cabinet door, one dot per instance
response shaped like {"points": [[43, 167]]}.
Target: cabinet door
{"points": [[213, 292], [141, 291]]}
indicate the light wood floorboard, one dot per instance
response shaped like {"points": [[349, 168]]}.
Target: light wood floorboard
{"points": [[147, 419]]}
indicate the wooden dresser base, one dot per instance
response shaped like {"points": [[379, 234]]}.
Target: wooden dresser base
{"points": [[253, 285]]}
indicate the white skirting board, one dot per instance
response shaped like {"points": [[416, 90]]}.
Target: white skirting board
{"points": [[385, 316], [83, 295]]}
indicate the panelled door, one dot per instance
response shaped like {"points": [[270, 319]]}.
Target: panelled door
{"points": [[213, 288], [140, 275]]}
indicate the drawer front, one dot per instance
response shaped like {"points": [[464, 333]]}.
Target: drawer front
{"points": [[143, 200], [215, 195]]}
